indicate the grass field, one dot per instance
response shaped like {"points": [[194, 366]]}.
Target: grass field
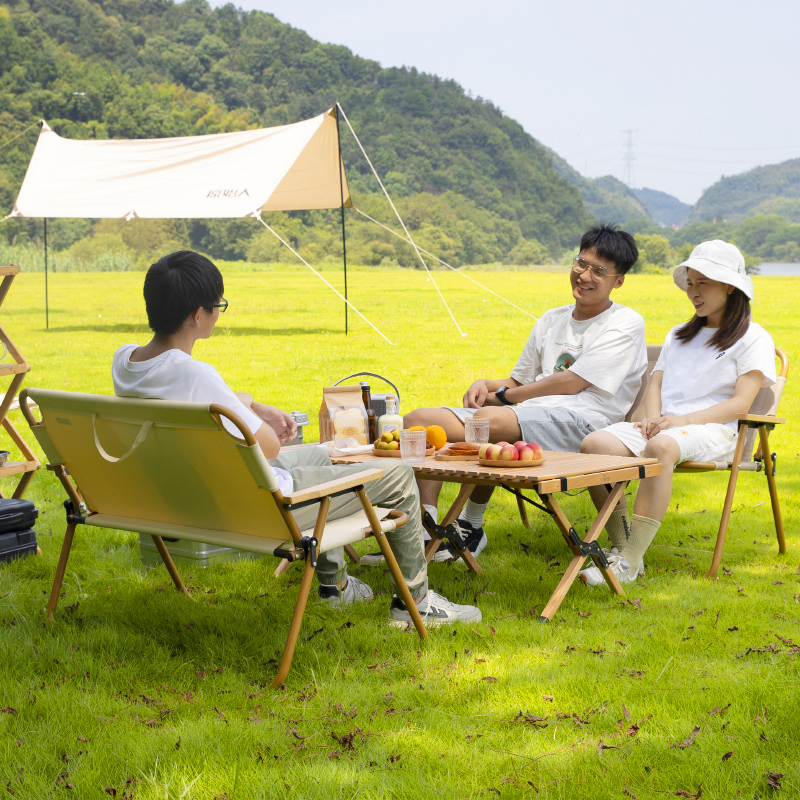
{"points": [[687, 688]]}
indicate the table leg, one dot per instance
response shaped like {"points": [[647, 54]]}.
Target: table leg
{"points": [[465, 490], [578, 559]]}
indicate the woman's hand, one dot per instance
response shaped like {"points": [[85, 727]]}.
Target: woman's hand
{"points": [[652, 427], [475, 396]]}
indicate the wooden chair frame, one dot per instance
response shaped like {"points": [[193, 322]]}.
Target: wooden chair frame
{"points": [[292, 543]]}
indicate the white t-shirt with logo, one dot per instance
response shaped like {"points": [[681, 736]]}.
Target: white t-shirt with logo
{"points": [[608, 350], [697, 376], [175, 375]]}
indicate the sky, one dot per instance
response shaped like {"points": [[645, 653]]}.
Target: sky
{"points": [[663, 95]]}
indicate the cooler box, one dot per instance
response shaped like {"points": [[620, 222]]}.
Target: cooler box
{"points": [[190, 554], [17, 537]]}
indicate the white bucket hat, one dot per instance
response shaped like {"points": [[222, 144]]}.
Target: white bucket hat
{"points": [[719, 261]]}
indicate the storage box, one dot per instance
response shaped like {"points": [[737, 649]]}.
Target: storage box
{"points": [[16, 515], [16, 544], [190, 554]]}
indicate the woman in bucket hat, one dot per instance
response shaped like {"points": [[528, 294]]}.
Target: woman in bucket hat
{"points": [[707, 376]]}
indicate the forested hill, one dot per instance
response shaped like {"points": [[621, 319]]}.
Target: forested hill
{"points": [[474, 186], [774, 189]]}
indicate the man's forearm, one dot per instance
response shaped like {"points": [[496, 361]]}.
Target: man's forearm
{"points": [[565, 382]]}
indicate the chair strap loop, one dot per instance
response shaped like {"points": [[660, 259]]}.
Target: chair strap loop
{"points": [[140, 437]]}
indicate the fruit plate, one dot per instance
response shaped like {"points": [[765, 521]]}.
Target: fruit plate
{"points": [[396, 453], [521, 464]]}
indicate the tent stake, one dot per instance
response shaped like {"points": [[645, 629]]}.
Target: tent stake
{"points": [[46, 305], [341, 193]]}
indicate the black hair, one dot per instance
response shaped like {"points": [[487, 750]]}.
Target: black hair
{"points": [[176, 286], [734, 324], [613, 244]]}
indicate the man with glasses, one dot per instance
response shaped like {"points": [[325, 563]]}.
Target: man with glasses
{"points": [[579, 371], [183, 298]]}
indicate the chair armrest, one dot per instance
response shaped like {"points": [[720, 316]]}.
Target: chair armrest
{"points": [[764, 419], [332, 487]]}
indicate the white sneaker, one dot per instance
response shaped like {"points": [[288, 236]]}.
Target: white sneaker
{"points": [[354, 591], [434, 610], [618, 565]]}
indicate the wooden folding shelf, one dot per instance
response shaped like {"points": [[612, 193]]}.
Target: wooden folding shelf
{"points": [[8, 401]]}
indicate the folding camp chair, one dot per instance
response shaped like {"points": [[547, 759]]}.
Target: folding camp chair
{"points": [[761, 420], [172, 469]]}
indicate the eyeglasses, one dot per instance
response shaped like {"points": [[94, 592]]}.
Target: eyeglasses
{"points": [[223, 306], [580, 265]]}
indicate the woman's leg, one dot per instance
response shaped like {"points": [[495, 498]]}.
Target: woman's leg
{"points": [[602, 443]]}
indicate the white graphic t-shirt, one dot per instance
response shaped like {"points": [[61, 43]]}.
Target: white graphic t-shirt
{"points": [[608, 350]]}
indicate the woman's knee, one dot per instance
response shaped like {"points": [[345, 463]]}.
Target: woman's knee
{"points": [[664, 448]]}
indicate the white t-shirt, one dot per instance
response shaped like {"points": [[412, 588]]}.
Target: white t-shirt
{"points": [[697, 376], [608, 350], [175, 375]]}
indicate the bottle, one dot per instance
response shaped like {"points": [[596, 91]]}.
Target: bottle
{"points": [[391, 420], [366, 397]]}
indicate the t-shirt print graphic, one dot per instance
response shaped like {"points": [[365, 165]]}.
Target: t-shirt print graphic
{"points": [[564, 361]]}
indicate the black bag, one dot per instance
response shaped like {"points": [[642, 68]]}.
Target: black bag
{"points": [[17, 537]]}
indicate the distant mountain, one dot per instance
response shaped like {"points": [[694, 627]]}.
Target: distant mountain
{"points": [[606, 199], [663, 208], [774, 189]]}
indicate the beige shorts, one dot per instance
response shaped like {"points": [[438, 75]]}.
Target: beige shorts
{"points": [[709, 442]]}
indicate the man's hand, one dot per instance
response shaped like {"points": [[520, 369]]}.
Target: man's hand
{"points": [[283, 424], [475, 396]]}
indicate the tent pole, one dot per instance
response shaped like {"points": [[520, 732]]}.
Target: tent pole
{"points": [[46, 304], [341, 194]]}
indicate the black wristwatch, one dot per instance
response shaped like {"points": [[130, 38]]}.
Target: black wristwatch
{"points": [[500, 394]]}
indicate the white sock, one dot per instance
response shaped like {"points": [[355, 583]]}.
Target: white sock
{"points": [[643, 531], [473, 513], [433, 511], [618, 528]]}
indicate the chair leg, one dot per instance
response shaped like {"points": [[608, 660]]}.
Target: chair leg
{"points": [[773, 489], [353, 553], [391, 562], [60, 570], [728, 505], [169, 564], [294, 627]]}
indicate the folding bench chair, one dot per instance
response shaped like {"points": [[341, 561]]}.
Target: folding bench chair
{"points": [[761, 420], [171, 469]]}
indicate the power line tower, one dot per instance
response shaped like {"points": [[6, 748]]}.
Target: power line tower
{"points": [[628, 159]]}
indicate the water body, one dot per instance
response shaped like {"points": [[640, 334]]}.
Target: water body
{"points": [[770, 269]]}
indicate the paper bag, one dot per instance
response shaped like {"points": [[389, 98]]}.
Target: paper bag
{"points": [[342, 414]]}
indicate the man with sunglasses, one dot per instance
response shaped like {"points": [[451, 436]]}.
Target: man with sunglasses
{"points": [[579, 371]]}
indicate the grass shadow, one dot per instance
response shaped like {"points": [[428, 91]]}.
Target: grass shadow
{"points": [[138, 329]]}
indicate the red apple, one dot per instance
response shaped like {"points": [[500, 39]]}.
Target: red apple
{"points": [[483, 451], [509, 453], [493, 452], [526, 453], [502, 444], [519, 445], [537, 449]]}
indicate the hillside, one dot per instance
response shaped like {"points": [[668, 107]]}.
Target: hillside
{"points": [[774, 189], [472, 183], [663, 208]]}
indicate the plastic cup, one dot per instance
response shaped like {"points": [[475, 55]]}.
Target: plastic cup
{"points": [[476, 430], [412, 446]]}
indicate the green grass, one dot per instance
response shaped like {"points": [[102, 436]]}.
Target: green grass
{"points": [[139, 691]]}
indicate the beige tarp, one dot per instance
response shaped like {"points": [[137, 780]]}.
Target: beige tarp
{"points": [[290, 167]]}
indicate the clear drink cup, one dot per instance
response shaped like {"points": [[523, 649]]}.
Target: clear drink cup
{"points": [[476, 430], [412, 446]]}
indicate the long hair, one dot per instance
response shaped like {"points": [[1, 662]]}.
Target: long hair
{"points": [[734, 325]]}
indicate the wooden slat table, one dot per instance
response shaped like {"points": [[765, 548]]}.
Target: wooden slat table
{"points": [[561, 472]]}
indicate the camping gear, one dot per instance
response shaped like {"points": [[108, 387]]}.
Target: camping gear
{"points": [[378, 399], [17, 537], [172, 469]]}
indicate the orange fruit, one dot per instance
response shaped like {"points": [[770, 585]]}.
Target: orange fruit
{"points": [[436, 436], [416, 428]]}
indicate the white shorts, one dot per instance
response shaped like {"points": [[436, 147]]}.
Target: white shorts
{"points": [[709, 442]]}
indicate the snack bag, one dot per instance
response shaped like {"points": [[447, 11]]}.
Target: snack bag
{"points": [[342, 414]]}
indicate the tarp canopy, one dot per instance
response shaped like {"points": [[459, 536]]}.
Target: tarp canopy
{"points": [[222, 175]]}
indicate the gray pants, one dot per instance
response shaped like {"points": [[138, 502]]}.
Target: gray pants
{"points": [[553, 427], [397, 489]]}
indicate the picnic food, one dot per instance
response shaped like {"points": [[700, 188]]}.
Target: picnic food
{"points": [[349, 422], [503, 451], [390, 440], [464, 448], [434, 434]]}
